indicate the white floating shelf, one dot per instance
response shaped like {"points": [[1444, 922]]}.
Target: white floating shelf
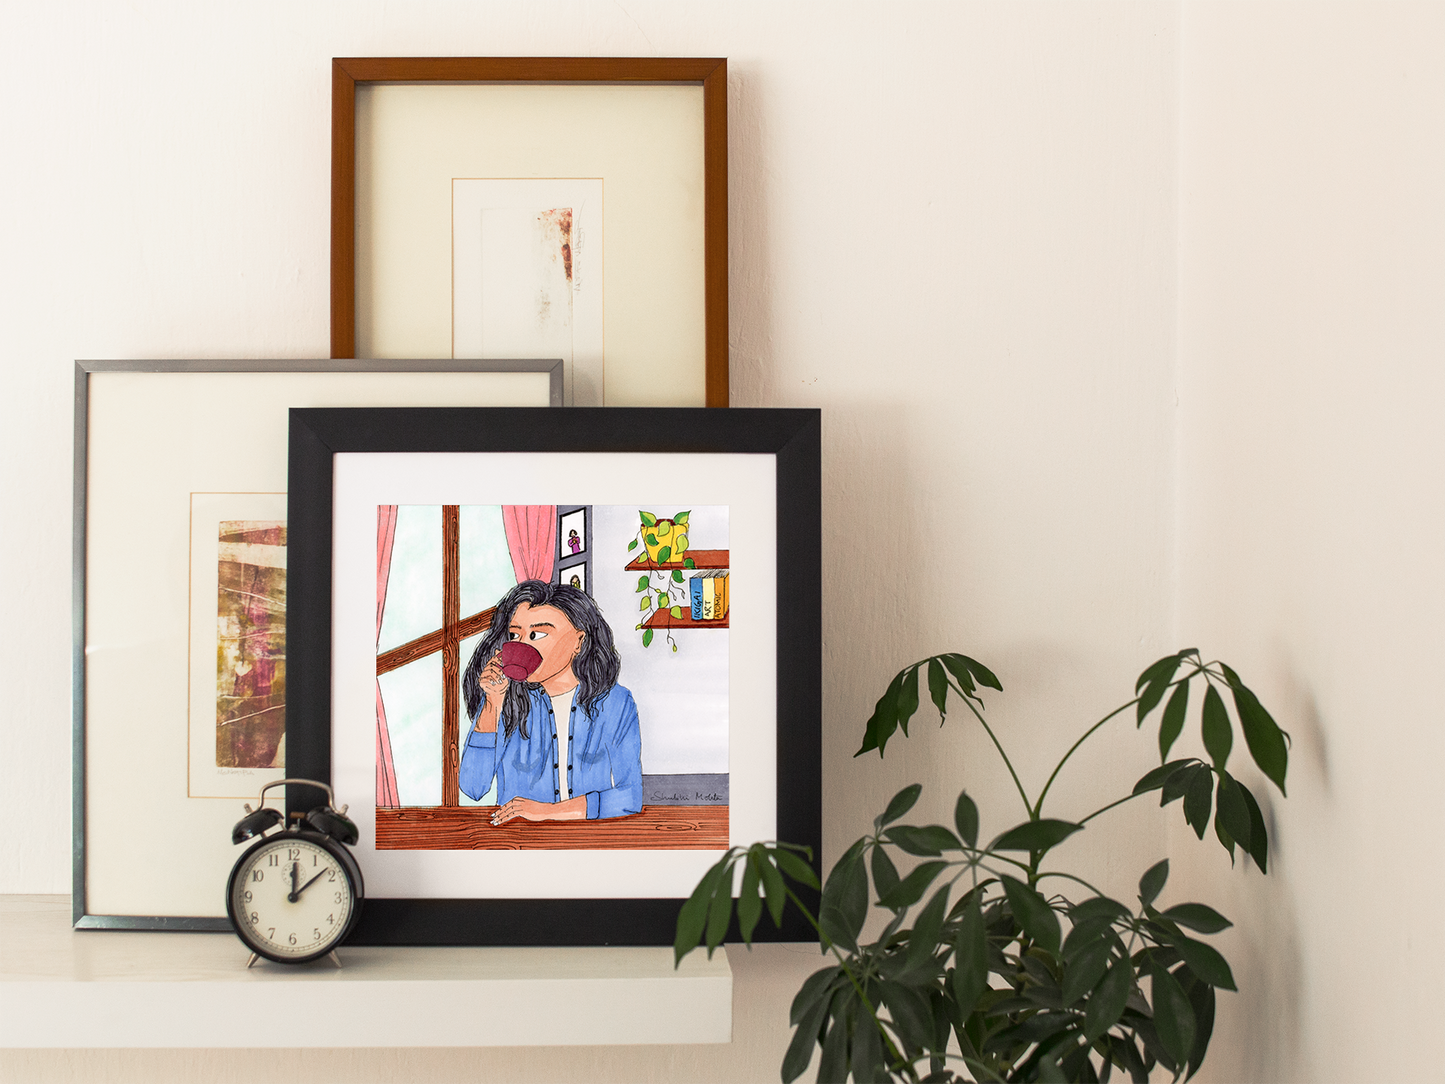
{"points": [[61, 987]]}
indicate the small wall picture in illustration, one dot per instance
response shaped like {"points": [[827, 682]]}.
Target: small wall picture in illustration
{"points": [[516, 705]]}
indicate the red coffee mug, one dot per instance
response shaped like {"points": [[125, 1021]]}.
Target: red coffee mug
{"points": [[519, 659]]}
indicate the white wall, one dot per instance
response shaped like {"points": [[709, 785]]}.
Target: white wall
{"points": [[1125, 321], [1312, 510]]}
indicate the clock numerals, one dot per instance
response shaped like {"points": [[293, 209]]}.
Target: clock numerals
{"points": [[277, 916]]}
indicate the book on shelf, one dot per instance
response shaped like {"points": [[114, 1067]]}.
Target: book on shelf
{"points": [[708, 595]]}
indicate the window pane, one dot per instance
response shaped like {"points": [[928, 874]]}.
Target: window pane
{"points": [[413, 698], [486, 562], [464, 725], [414, 586]]}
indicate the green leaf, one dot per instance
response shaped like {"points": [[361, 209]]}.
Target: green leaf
{"points": [[1199, 800], [965, 819], [1173, 721], [773, 886], [1098, 907], [1205, 961], [661, 600], [632, 545], [1232, 811], [911, 1016], [1033, 913], [664, 555], [676, 612], [1155, 779], [866, 1056], [648, 519], [924, 842], [938, 688], [796, 868], [1258, 834], [1218, 734], [970, 957], [650, 538], [693, 916], [681, 517], [1198, 916], [1201, 999], [645, 603], [1084, 971], [800, 1049], [957, 665], [1173, 1016], [1150, 697], [816, 989], [833, 1065], [688, 562], [1160, 670], [1107, 1002], [679, 545], [910, 890], [750, 900], [719, 912], [982, 672], [642, 583], [923, 941], [1152, 883], [1178, 784], [884, 720], [845, 903], [885, 873], [646, 637], [676, 575], [908, 698], [1039, 835], [1263, 736], [898, 805]]}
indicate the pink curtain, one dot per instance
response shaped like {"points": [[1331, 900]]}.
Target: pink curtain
{"points": [[386, 796], [532, 538]]}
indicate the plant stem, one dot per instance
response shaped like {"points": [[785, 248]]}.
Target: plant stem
{"points": [[1071, 877], [1028, 806], [857, 986], [1111, 805], [1034, 813]]}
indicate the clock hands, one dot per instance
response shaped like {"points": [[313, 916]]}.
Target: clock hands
{"points": [[296, 892], [295, 872]]}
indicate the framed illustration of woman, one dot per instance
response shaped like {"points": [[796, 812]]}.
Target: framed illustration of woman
{"points": [[556, 662]]}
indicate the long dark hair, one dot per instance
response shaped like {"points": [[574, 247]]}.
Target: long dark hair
{"points": [[597, 663]]}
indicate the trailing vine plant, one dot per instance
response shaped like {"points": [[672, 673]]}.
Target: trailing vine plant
{"points": [[663, 590], [1009, 971]]}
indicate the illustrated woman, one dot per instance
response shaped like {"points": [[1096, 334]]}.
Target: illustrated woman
{"points": [[563, 743]]}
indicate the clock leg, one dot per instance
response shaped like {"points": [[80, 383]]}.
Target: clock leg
{"points": [[254, 957], [334, 958]]}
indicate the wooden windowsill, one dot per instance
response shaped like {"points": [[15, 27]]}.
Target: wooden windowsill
{"points": [[657, 827]]}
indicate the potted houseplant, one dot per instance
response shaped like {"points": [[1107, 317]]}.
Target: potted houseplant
{"points": [[661, 585], [993, 965]]}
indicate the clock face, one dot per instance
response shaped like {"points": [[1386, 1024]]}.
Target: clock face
{"points": [[291, 898]]}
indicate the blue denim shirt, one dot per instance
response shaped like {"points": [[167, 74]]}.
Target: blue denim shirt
{"points": [[604, 753]]}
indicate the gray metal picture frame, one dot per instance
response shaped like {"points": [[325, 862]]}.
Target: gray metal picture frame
{"points": [[141, 818]]}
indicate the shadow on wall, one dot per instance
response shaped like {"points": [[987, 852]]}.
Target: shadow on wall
{"points": [[1265, 947]]}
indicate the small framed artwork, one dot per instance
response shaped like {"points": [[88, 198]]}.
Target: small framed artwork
{"points": [[180, 594], [536, 207], [495, 658]]}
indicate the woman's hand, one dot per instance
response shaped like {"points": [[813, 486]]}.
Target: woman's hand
{"points": [[573, 809], [494, 684]]}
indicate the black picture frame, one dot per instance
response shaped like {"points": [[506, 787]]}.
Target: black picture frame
{"points": [[792, 436]]}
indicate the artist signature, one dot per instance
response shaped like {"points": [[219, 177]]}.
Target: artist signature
{"points": [[698, 796]]}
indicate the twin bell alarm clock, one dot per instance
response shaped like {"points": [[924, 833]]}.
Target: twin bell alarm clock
{"points": [[295, 894]]}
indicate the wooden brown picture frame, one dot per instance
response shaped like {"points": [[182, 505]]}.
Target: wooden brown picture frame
{"points": [[347, 73]]}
